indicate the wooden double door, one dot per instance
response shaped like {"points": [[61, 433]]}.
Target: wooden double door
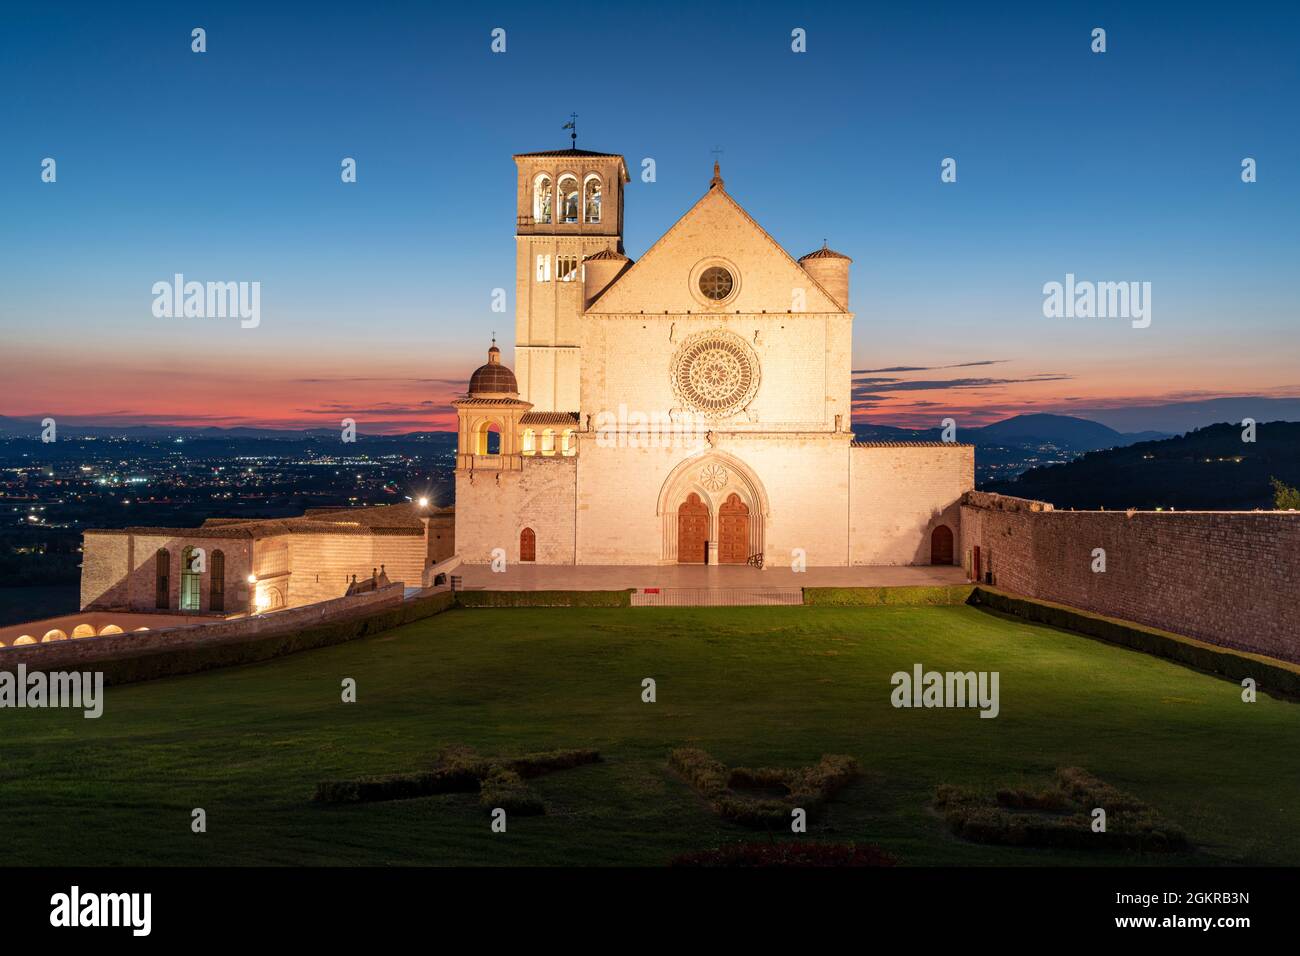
{"points": [[693, 531]]}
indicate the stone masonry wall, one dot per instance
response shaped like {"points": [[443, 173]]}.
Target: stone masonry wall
{"points": [[1229, 578]]}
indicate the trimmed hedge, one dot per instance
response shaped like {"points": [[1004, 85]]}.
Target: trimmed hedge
{"points": [[917, 596], [500, 783], [1271, 676], [544, 598], [1059, 817], [192, 658], [805, 787]]}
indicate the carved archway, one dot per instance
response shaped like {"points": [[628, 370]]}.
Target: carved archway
{"points": [[713, 477]]}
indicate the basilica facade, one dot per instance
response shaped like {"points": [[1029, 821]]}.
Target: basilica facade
{"points": [[693, 406]]}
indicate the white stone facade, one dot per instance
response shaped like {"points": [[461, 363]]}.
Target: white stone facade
{"points": [[692, 407]]}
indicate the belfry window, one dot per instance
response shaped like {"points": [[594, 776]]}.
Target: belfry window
{"points": [[542, 199], [566, 268], [543, 268], [569, 198], [591, 199]]}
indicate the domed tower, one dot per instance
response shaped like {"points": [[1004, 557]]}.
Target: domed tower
{"points": [[831, 270], [599, 271], [488, 418]]}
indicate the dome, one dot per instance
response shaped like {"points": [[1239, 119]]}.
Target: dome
{"points": [[824, 253], [493, 378]]}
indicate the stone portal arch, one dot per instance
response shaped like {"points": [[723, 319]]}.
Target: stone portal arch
{"points": [[717, 478]]}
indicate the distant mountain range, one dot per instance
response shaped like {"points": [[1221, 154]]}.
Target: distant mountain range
{"points": [[31, 428], [1063, 431], [1207, 469]]}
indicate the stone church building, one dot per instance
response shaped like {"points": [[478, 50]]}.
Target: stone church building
{"points": [[694, 406]]}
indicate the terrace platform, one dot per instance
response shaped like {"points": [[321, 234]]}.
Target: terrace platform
{"points": [[526, 577]]}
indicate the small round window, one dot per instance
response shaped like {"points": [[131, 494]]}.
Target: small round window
{"points": [[716, 283]]}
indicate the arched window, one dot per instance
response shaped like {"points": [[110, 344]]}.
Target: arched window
{"points": [[217, 583], [162, 578], [529, 441], [591, 199], [548, 441], [542, 199], [527, 545], [487, 438], [569, 199], [190, 581], [567, 444]]}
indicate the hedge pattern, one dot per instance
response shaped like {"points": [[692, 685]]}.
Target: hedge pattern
{"points": [[1058, 816], [499, 782], [805, 787]]}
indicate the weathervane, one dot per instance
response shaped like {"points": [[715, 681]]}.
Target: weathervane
{"points": [[573, 125]]}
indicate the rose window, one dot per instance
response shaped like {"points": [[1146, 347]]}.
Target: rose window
{"points": [[715, 373]]}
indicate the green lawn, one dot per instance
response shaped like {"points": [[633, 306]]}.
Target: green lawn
{"points": [[754, 686]]}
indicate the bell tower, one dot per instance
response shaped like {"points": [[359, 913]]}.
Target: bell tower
{"points": [[569, 207]]}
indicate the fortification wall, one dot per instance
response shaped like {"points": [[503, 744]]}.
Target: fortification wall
{"points": [[1228, 577]]}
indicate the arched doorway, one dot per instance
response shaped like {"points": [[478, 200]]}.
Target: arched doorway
{"points": [[941, 545], [733, 531], [527, 545], [692, 531]]}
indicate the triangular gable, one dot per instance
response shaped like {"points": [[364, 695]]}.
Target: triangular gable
{"points": [[716, 226]]}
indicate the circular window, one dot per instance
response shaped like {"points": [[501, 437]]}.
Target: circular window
{"points": [[716, 283], [715, 373]]}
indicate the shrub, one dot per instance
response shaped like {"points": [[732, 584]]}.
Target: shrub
{"points": [[806, 787], [500, 783], [506, 789], [534, 765], [923, 595], [1059, 817], [789, 854], [544, 598]]}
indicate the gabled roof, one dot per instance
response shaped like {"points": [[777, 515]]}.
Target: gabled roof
{"points": [[715, 188]]}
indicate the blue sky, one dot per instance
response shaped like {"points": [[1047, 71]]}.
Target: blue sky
{"points": [[1117, 166]]}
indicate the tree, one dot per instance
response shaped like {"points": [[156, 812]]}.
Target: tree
{"points": [[1285, 498]]}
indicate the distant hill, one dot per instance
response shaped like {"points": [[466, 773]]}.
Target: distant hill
{"points": [[31, 428], [1207, 469], [1063, 431], [1014, 445]]}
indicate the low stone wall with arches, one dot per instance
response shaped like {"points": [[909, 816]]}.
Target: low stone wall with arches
{"points": [[84, 624]]}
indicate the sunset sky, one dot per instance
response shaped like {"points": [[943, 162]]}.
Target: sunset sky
{"points": [[376, 296]]}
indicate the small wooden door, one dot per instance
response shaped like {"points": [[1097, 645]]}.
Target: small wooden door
{"points": [[733, 531], [975, 563], [527, 545], [693, 531], [941, 545]]}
